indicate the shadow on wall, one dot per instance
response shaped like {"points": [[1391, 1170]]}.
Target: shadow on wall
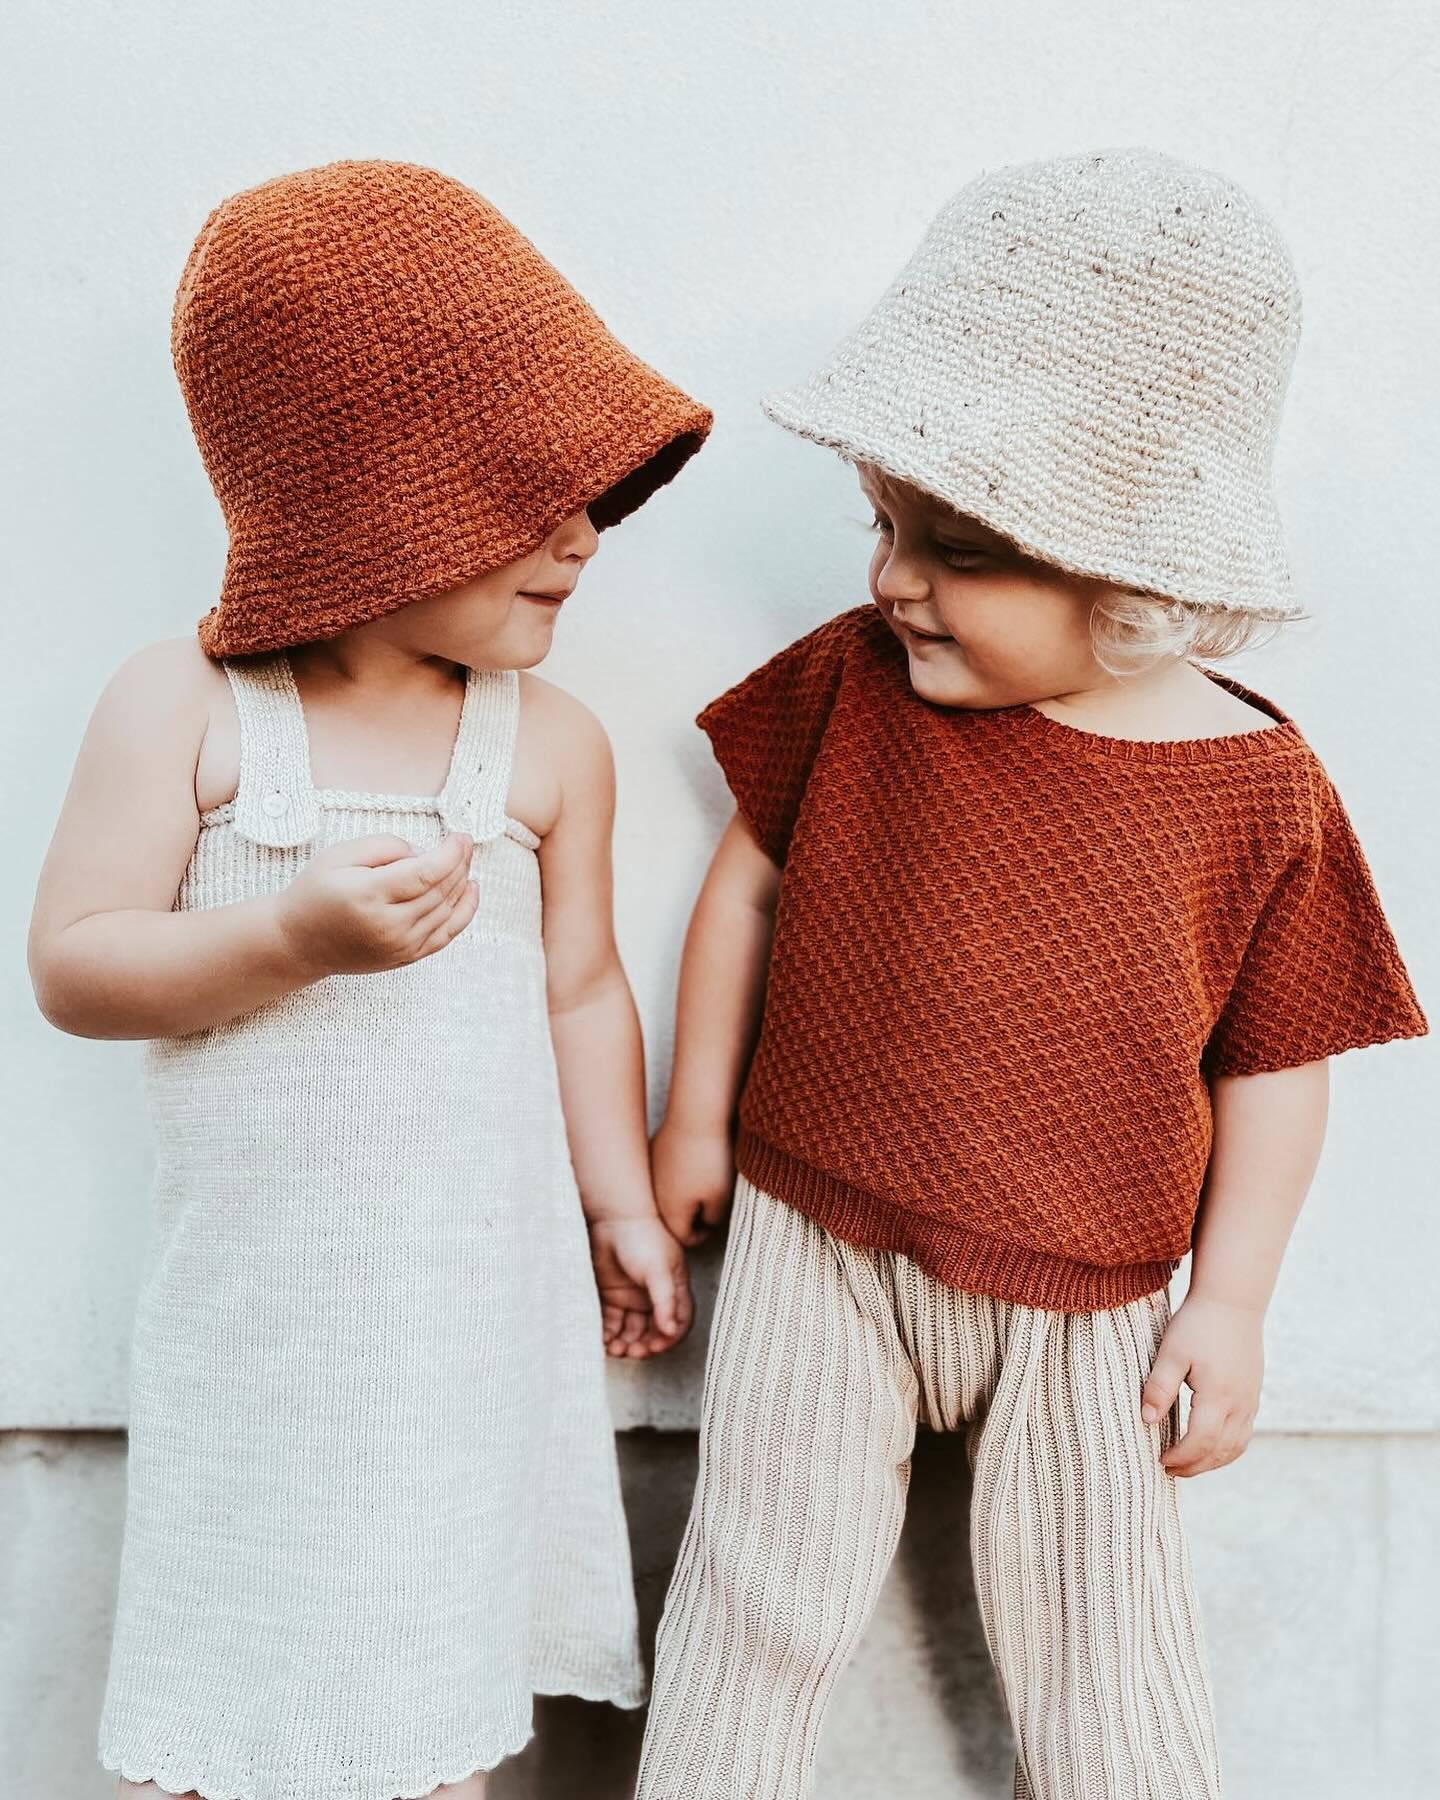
{"points": [[919, 1701]]}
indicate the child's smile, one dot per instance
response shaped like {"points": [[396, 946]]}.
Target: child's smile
{"points": [[983, 624]]}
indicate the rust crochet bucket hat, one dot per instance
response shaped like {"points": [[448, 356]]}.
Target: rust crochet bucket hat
{"points": [[394, 393]]}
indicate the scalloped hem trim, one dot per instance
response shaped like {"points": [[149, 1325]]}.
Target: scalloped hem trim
{"points": [[227, 1792], [630, 1700]]}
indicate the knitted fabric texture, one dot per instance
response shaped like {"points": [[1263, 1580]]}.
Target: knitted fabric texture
{"points": [[1089, 355], [823, 1357], [1008, 954], [372, 1500], [394, 393]]}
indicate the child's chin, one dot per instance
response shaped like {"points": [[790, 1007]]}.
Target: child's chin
{"points": [[522, 650], [942, 687]]}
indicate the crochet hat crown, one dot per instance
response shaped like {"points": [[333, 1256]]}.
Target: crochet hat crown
{"points": [[1089, 354], [393, 393]]}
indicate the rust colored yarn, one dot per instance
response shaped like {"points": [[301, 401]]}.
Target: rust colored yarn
{"points": [[394, 393], [1008, 954]]}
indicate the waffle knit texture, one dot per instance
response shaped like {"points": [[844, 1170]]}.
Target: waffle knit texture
{"points": [[1088, 354], [395, 393], [822, 1358], [1010, 954], [373, 1501]]}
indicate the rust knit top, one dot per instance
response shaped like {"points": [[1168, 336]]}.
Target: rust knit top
{"points": [[1009, 953]]}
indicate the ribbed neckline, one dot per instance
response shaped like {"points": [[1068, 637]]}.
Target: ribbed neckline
{"points": [[1264, 740]]}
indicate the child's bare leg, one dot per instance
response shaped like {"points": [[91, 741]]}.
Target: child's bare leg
{"points": [[472, 1788], [147, 1790]]}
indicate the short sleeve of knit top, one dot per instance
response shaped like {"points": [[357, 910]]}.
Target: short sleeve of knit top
{"points": [[1321, 973], [767, 729]]}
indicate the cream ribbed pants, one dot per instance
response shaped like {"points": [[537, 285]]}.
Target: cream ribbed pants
{"points": [[822, 1358]]}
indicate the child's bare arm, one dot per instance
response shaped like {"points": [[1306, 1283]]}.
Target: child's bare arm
{"points": [[1268, 1133], [599, 1053], [108, 956], [722, 996]]}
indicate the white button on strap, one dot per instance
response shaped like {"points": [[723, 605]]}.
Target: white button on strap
{"points": [[276, 803]]}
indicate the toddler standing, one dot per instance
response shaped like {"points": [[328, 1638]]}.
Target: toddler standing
{"points": [[349, 870], [1046, 934]]}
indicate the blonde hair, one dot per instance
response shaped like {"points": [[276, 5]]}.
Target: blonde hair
{"points": [[1130, 630]]}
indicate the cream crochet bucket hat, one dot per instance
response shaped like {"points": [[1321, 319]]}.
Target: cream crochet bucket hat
{"points": [[1089, 355]]}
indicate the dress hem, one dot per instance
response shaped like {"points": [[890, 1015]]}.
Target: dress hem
{"points": [[489, 1760]]}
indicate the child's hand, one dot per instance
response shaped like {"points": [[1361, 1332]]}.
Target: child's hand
{"points": [[694, 1174], [645, 1305], [373, 903], [1218, 1349]]}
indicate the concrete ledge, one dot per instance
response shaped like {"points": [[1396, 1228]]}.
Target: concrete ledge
{"points": [[1316, 1559]]}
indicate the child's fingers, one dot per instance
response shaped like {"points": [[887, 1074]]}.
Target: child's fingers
{"points": [[433, 906], [630, 1324], [1204, 1430], [1233, 1438], [659, 1341], [634, 1328], [684, 1307], [454, 921], [690, 1221], [660, 1286], [373, 852], [673, 1305], [1162, 1389], [414, 876], [624, 1297], [685, 1221]]}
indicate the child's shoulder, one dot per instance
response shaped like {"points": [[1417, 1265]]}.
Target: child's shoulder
{"points": [[167, 690], [173, 669], [568, 724], [151, 727], [562, 756]]}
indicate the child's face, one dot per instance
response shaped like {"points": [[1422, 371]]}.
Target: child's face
{"points": [[983, 624], [504, 619]]}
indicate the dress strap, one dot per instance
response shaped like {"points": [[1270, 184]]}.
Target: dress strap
{"points": [[275, 801], [474, 796]]}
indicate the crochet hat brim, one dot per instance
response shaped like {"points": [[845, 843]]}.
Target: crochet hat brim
{"points": [[964, 480], [421, 552]]}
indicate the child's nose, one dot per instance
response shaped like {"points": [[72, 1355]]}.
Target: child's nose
{"points": [[575, 540], [898, 579]]}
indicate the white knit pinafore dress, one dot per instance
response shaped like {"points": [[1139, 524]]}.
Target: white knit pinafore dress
{"points": [[373, 1495]]}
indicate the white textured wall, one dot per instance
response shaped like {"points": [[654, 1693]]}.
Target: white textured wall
{"points": [[732, 184]]}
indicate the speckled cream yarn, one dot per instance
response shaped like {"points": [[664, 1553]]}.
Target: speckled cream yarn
{"points": [[394, 392], [1090, 355]]}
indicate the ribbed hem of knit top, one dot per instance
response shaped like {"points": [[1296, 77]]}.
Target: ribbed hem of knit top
{"points": [[948, 1251]]}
